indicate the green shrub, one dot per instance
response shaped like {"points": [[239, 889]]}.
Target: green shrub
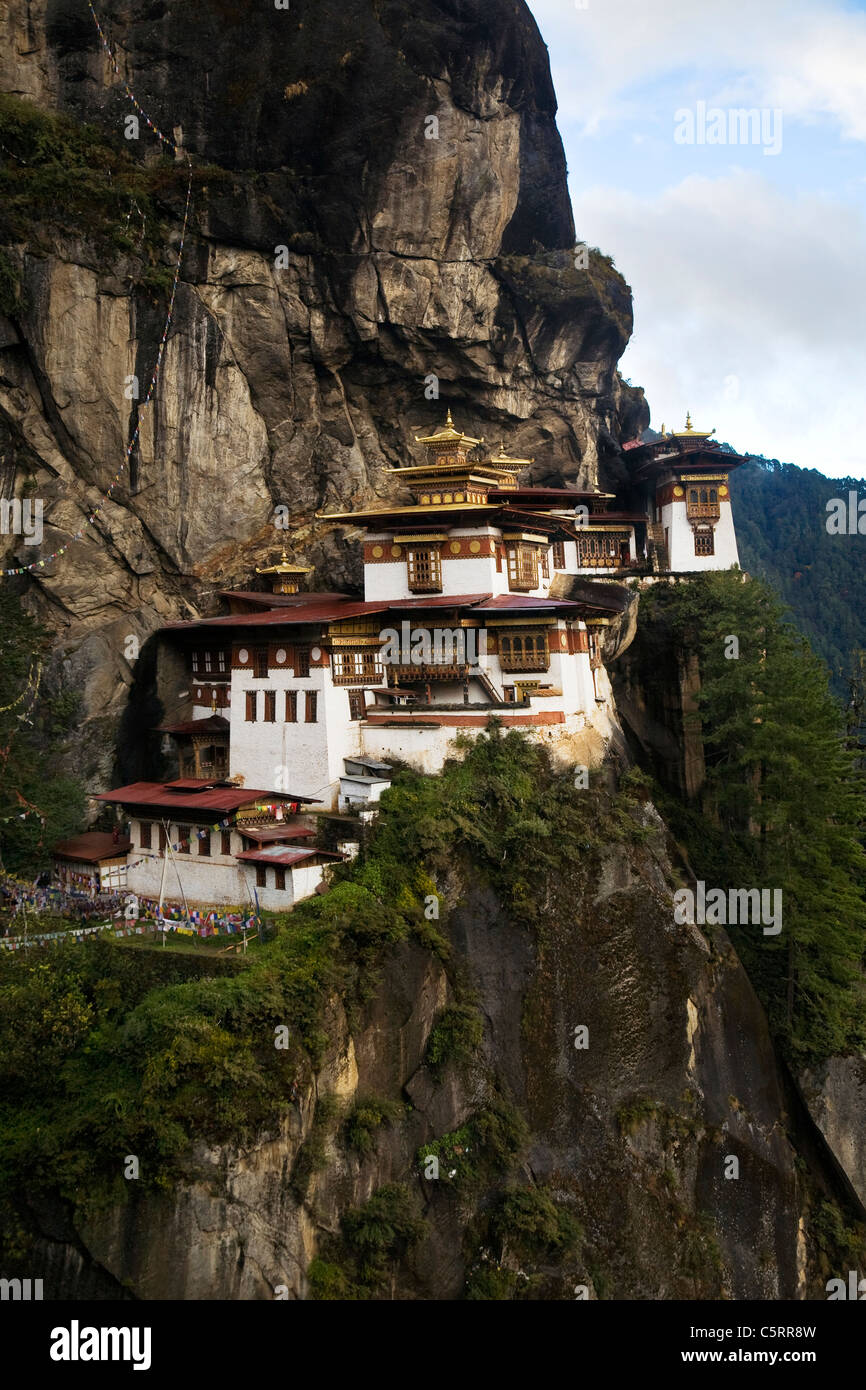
{"points": [[528, 1221], [382, 1229], [365, 1118], [455, 1037]]}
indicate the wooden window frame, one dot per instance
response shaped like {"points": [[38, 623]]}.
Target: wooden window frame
{"points": [[302, 662], [261, 876], [311, 707], [204, 845], [226, 842], [708, 543], [522, 566], [280, 876], [357, 704], [291, 707], [251, 714], [559, 555], [184, 832], [146, 839], [424, 569], [527, 649], [270, 714]]}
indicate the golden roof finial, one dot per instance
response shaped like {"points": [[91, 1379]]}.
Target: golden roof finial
{"points": [[448, 421], [664, 431], [688, 421]]}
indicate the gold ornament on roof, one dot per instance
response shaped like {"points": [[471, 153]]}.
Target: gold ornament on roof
{"points": [[690, 432], [286, 575]]}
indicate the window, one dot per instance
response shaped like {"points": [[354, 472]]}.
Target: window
{"points": [[204, 844], [252, 702], [693, 497], [522, 567], [312, 701], [279, 878], [291, 706], [163, 838], [183, 837], [704, 543], [195, 662], [352, 667], [559, 555], [302, 661], [261, 876], [145, 834], [357, 704], [602, 549], [524, 651], [226, 842], [260, 663], [270, 706], [545, 572], [207, 663], [221, 661], [425, 569]]}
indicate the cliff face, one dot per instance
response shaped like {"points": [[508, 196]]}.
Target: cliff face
{"points": [[291, 378], [634, 1132]]}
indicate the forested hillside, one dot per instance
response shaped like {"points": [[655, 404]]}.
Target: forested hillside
{"points": [[780, 512]]}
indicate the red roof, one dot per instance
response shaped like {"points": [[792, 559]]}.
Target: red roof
{"points": [[315, 609], [92, 847], [183, 796], [210, 724]]}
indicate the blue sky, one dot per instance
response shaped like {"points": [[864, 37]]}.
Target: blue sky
{"points": [[748, 269]]}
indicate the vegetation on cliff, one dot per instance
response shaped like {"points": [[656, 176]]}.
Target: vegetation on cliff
{"points": [[38, 804], [783, 806]]}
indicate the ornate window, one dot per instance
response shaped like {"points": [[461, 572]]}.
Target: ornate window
{"points": [[524, 651], [356, 666], [704, 543], [260, 663], [302, 662], [601, 549], [424, 567], [522, 566], [559, 555]]}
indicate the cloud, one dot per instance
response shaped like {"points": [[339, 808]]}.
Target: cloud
{"points": [[806, 56], [749, 306]]}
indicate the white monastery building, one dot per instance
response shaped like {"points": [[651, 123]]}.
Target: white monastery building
{"points": [[481, 598]]}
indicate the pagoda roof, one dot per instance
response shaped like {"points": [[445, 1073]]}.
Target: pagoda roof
{"points": [[447, 434]]}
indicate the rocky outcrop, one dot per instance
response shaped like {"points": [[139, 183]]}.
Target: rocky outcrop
{"points": [[342, 268], [835, 1094]]}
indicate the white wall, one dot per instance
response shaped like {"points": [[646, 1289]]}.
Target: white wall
{"points": [[681, 544]]}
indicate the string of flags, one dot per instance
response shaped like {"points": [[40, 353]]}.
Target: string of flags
{"points": [[96, 511], [28, 687], [22, 815]]}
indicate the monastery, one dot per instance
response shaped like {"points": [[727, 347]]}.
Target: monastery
{"points": [[481, 597]]}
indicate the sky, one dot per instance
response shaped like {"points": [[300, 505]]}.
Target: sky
{"points": [[746, 256]]}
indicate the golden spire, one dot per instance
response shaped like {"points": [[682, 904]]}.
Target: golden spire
{"points": [[285, 574], [690, 432]]}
